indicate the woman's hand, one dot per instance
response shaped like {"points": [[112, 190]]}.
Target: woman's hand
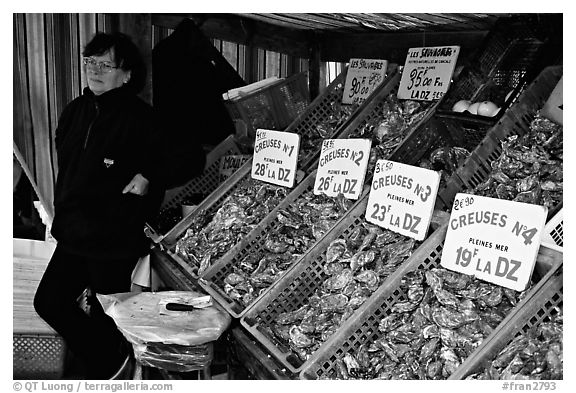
{"points": [[138, 185]]}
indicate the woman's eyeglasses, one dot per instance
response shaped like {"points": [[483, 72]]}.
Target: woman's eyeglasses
{"points": [[97, 65]]}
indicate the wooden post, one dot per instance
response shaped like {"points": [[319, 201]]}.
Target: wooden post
{"points": [[314, 67]]}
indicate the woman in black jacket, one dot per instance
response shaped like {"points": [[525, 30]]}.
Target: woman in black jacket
{"points": [[105, 187]]}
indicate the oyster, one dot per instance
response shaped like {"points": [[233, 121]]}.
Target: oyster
{"points": [[335, 250], [331, 303], [209, 238], [287, 318], [234, 279], [298, 338], [433, 328], [339, 281], [361, 259], [535, 354], [368, 277], [530, 167]]}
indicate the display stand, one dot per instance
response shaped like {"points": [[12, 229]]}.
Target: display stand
{"points": [[245, 355]]}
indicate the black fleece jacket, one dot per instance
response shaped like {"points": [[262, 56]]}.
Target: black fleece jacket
{"points": [[102, 142]]}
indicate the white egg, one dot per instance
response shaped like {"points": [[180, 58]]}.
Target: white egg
{"points": [[461, 105], [487, 108], [473, 108]]}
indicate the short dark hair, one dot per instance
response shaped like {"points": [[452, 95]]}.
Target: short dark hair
{"points": [[126, 55]]}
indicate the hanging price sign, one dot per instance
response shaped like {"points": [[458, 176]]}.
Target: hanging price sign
{"points": [[427, 72], [494, 239], [402, 198], [342, 167], [363, 77], [275, 157]]}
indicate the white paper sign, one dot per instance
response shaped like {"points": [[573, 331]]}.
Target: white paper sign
{"points": [[275, 157], [554, 107], [342, 167], [363, 77], [402, 198], [494, 239], [230, 164], [427, 72]]}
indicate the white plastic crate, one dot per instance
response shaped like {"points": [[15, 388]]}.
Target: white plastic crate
{"points": [[553, 236]]}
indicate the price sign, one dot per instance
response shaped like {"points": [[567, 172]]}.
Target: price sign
{"points": [[427, 72], [363, 77], [275, 157], [342, 167], [402, 198], [554, 107], [494, 239], [230, 163]]}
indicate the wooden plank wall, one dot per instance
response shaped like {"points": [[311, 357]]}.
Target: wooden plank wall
{"points": [[47, 75]]}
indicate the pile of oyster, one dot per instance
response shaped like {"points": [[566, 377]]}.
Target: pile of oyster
{"points": [[206, 240], [530, 168], [338, 114], [353, 268], [390, 127], [444, 317], [445, 160], [535, 354], [300, 225]]}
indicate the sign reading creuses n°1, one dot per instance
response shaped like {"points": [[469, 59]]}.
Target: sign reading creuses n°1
{"points": [[494, 239], [275, 157], [402, 198]]}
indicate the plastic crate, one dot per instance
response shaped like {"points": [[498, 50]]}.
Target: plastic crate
{"points": [[298, 284], [323, 108], [553, 235], [511, 55], [364, 326], [212, 280], [421, 136], [537, 308], [272, 107], [516, 121], [208, 206], [304, 125], [204, 184], [38, 356]]}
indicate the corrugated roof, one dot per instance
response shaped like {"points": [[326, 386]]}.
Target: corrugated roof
{"points": [[372, 23]]}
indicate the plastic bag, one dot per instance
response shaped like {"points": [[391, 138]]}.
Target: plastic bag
{"points": [[172, 357], [172, 340]]}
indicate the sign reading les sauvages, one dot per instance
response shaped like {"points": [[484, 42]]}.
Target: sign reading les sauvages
{"points": [[363, 77], [402, 198], [427, 72], [342, 167], [275, 157], [494, 239]]}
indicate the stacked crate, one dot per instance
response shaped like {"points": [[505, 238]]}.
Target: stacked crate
{"points": [[320, 110]]}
